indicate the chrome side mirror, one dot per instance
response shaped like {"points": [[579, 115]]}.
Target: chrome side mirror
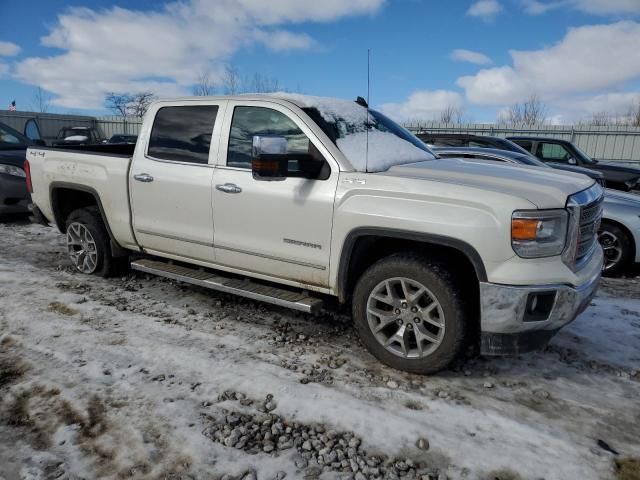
{"points": [[269, 159]]}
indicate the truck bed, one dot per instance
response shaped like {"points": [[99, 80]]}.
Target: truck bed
{"points": [[101, 170]]}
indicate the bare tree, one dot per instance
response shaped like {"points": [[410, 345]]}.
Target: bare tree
{"points": [[451, 114], [129, 105], [204, 85], [530, 113], [231, 82], [118, 103], [140, 103], [633, 115], [601, 119], [41, 101], [262, 84]]}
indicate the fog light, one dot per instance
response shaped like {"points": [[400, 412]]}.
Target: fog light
{"points": [[539, 306]]}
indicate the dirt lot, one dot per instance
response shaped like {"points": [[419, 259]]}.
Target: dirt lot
{"points": [[141, 377]]}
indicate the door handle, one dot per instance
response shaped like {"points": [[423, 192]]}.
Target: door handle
{"points": [[228, 188], [143, 177]]}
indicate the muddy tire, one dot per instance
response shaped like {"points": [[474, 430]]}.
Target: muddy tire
{"points": [[88, 244], [410, 313]]}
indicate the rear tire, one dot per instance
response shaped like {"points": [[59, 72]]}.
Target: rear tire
{"points": [[410, 313], [618, 248], [89, 244]]}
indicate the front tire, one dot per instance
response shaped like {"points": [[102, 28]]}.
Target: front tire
{"points": [[409, 313], [89, 244], [617, 247]]}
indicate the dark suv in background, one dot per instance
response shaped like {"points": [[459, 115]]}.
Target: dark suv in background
{"points": [[453, 140], [555, 151], [468, 140], [14, 197]]}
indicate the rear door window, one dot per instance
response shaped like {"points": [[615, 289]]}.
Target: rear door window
{"points": [[31, 129], [183, 133], [552, 152]]}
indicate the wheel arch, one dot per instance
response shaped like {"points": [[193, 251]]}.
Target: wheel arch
{"points": [[66, 197], [365, 245]]}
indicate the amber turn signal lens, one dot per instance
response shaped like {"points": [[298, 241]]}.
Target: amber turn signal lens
{"points": [[524, 228]]}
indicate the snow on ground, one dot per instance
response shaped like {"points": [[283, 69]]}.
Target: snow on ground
{"points": [[141, 377]]}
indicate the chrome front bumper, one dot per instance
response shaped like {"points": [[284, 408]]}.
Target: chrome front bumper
{"points": [[518, 319]]}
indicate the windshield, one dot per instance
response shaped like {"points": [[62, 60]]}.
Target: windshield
{"points": [[375, 145], [529, 159], [505, 144], [11, 139]]}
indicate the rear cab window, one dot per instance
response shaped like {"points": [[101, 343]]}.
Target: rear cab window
{"points": [[183, 133]]}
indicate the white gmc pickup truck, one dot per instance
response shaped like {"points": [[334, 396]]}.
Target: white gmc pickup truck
{"points": [[299, 200]]}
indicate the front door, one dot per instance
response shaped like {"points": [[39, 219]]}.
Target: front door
{"points": [[275, 228], [171, 195]]}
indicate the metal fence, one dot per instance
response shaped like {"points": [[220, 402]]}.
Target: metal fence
{"points": [[49, 124], [111, 125], [603, 143]]}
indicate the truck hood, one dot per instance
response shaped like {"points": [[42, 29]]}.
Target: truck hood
{"points": [[544, 187]]}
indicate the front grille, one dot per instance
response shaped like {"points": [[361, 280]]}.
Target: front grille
{"points": [[590, 216]]}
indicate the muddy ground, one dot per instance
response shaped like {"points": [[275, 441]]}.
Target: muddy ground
{"points": [[142, 377]]}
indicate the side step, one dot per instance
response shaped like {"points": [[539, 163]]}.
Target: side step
{"points": [[244, 288]]}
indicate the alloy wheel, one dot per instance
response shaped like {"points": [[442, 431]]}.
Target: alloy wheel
{"points": [[81, 248], [612, 248], [405, 318]]}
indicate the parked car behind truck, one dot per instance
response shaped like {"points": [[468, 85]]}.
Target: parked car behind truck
{"points": [[295, 200], [14, 197], [555, 151], [619, 232]]}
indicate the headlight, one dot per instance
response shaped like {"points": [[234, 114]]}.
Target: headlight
{"points": [[12, 170], [539, 233]]}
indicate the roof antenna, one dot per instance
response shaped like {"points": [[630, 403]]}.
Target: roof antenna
{"points": [[366, 120]]}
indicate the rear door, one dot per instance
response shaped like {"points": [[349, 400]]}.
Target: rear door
{"points": [[171, 180], [275, 228]]}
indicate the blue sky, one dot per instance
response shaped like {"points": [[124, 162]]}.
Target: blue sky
{"points": [[579, 56]]}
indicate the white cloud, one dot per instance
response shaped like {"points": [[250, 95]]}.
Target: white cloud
{"points": [[596, 7], [535, 7], [614, 104], [423, 105], [485, 9], [589, 58], [4, 69], [163, 51], [9, 49], [478, 58]]}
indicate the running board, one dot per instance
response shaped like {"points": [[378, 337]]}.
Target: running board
{"points": [[244, 288]]}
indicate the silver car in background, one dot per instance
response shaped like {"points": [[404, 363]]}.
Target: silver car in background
{"points": [[619, 232]]}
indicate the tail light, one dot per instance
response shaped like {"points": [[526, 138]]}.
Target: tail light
{"points": [[27, 171]]}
